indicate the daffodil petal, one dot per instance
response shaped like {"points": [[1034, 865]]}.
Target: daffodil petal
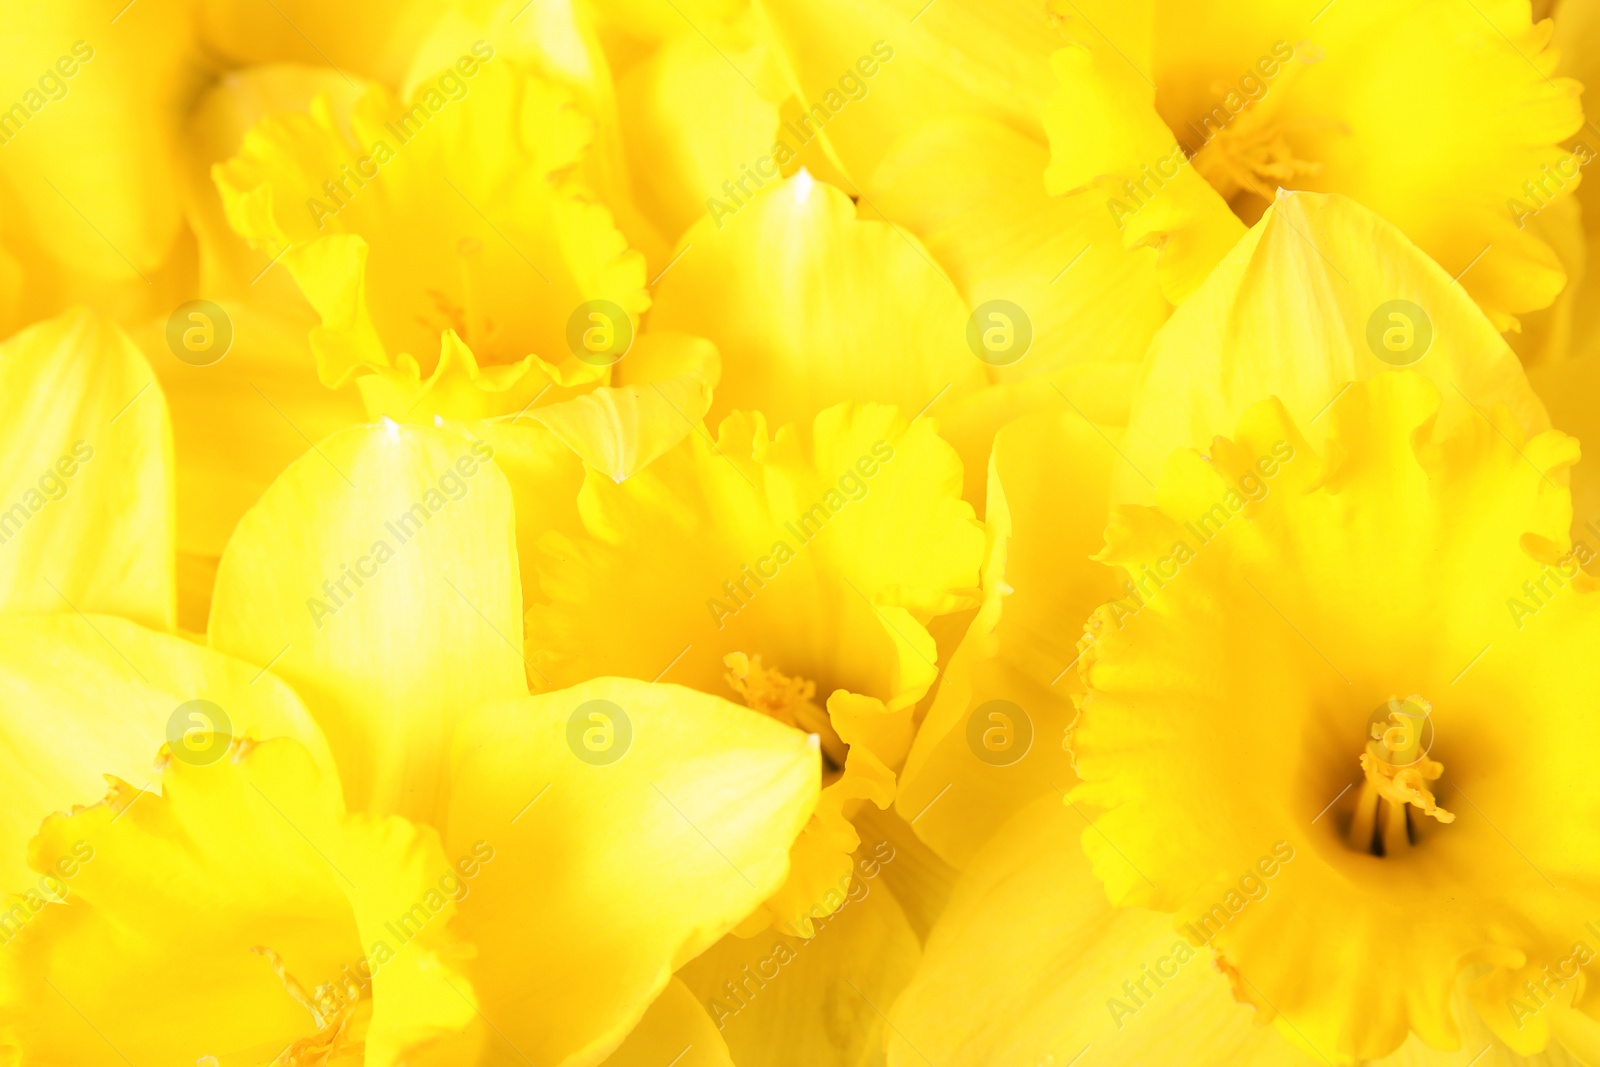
{"points": [[121, 105], [239, 422], [784, 1000], [691, 119], [975, 761], [621, 429], [870, 73], [1105, 135], [87, 496], [675, 1026], [157, 955], [874, 539], [1323, 278], [667, 811], [1028, 965], [972, 190], [379, 576], [116, 691], [852, 309]]}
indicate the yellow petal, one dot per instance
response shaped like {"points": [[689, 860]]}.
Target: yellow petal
{"points": [[972, 190], [620, 429], [459, 212], [545, 476], [691, 119], [114, 692], [120, 105], [238, 422], [87, 497], [369, 40], [1319, 277], [994, 738], [782, 1000], [1028, 965], [180, 903], [1104, 136], [852, 309], [870, 73], [378, 575], [675, 1030], [667, 811], [874, 538]]}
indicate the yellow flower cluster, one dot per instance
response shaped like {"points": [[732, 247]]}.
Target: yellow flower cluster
{"points": [[762, 533]]}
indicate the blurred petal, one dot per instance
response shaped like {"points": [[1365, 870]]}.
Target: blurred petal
{"points": [[1312, 278], [379, 576], [782, 1000], [811, 306], [1029, 965], [90, 696], [115, 218], [955, 57], [676, 1031], [1050, 482], [973, 191], [181, 904], [87, 492], [691, 120], [673, 841]]}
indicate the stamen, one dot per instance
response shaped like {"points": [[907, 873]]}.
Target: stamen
{"points": [[332, 1009], [1397, 775], [468, 319], [470, 251], [773, 693], [1256, 158]]}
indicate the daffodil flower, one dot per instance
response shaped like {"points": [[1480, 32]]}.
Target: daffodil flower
{"points": [[430, 879], [1225, 743], [1053, 474], [1184, 123], [795, 571]]}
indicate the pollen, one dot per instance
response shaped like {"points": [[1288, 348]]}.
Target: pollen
{"points": [[1397, 778], [1256, 159], [332, 1009], [789, 700]]}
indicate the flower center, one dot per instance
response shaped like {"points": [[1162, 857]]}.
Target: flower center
{"points": [[1396, 779], [332, 1006], [468, 318], [1253, 159], [773, 693]]}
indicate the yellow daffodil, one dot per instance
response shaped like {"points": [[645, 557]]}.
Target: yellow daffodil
{"points": [[795, 571], [1439, 117], [266, 895], [946, 138], [1053, 475], [1225, 741]]}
